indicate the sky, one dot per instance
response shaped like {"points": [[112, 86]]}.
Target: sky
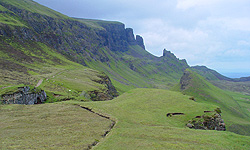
{"points": [[214, 33]]}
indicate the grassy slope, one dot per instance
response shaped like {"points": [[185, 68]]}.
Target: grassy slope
{"points": [[124, 79], [49, 126], [150, 71], [34, 7], [142, 123], [92, 23], [9, 18], [59, 74], [205, 92], [242, 87]]}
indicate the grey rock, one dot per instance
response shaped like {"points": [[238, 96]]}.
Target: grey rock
{"points": [[24, 96], [139, 41]]}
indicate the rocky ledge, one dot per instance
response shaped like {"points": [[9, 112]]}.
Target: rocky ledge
{"points": [[109, 93], [25, 95]]}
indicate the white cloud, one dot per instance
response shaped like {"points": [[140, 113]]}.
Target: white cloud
{"points": [[186, 4]]}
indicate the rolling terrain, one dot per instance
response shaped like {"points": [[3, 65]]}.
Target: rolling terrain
{"points": [[203, 91], [241, 85], [29, 29], [95, 72], [142, 122]]}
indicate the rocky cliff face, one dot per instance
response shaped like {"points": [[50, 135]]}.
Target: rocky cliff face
{"points": [[108, 94], [70, 36], [185, 80], [25, 96], [140, 41]]}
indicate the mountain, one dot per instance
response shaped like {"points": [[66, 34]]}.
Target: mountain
{"points": [[210, 74], [81, 64], [191, 83], [233, 84], [39, 43]]}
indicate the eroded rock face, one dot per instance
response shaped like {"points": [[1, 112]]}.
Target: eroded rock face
{"points": [[108, 94], [185, 79], [25, 96], [140, 41]]}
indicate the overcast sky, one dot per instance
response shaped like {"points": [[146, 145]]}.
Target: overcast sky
{"points": [[214, 33]]}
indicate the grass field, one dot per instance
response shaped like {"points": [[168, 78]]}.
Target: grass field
{"points": [[49, 126], [204, 92], [142, 123]]}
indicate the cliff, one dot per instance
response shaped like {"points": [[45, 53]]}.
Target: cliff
{"points": [[32, 30]]}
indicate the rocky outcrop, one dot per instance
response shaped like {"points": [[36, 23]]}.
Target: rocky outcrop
{"points": [[208, 122], [130, 36], [107, 94], [139, 41], [185, 80], [70, 36], [25, 96]]}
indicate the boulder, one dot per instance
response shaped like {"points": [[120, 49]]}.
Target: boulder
{"points": [[25, 95]]}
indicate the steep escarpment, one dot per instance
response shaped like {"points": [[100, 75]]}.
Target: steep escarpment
{"points": [[32, 30]]}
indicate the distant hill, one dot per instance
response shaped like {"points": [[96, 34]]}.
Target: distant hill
{"points": [[82, 61], [233, 84], [210, 74], [203, 91]]}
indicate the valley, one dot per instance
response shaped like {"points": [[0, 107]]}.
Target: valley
{"points": [[100, 80]]}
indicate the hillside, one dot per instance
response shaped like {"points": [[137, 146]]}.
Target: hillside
{"points": [[142, 123], [241, 85], [104, 89], [105, 46], [204, 92]]}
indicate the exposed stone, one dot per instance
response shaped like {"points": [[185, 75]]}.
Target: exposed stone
{"points": [[185, 80], [139, 41], [130, 36], [206, 122], [25, 96], [189, 125], [108, 94]]}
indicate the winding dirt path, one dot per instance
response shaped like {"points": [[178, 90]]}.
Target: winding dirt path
{"points": [[39, 83]]}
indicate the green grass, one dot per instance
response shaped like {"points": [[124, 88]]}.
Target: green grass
{"points": [[10, 90], [95, 24], [205, 92], [243, 101], [142, 123], [49, 126], [10, 20], [37, 61], [34, 7]]}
